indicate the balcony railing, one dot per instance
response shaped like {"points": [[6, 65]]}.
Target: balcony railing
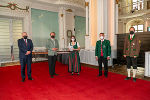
{"points": [[134, 7]]}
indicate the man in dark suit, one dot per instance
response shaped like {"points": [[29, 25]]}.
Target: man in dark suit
{"points": [[25, 54], [103, 53]]}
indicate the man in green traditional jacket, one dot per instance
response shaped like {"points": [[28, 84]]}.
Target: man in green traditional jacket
{"points": [[131, 52], [103, 53]]}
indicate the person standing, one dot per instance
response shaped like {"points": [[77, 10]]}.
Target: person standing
{"points": [[25, 55], [131, 51], [103, 53], [74, 58], [52, 46]]}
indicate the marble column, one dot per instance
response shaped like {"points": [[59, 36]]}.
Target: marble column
{"points": [[102, 13], [87, 17], [87, 36], [61, 28], [113, 26]]}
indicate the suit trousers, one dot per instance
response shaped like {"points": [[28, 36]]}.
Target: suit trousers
{"points": [[103, 60], [27, 60], [52, 62], [131, 61]]}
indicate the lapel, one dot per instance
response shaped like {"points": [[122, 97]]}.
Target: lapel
{"points": [[52, 41], [100, 43], [103, 43], [27, 42], [23, 42]]}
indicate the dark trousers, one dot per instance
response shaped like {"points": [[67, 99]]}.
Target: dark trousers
{"points": [[105, 62], [52, 62], [27, 60], [131, 61]]}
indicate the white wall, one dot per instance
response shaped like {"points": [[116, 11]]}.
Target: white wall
{"points": [[68, 21]]}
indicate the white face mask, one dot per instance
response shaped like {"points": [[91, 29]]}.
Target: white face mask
{"points": [[101, 37], [73, 40]]}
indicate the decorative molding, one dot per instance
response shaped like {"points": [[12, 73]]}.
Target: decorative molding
{"points": [[117, 1], [61, 15], [73, 3], [77, 2], [86, 3], [87, 35], [13, 6], [69, 10]]}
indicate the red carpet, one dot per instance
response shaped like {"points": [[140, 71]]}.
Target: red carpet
{"points": [[87, 86]]}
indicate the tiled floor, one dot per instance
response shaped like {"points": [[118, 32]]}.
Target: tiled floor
{"points": [[119, 69]]}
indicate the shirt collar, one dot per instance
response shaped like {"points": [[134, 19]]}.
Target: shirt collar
{"points": [[102, 40], [132, 35], [25, 39], [53, 39]]}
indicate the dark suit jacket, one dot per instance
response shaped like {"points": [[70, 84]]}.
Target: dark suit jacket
{"points": [[23, 48], [105, 46]]}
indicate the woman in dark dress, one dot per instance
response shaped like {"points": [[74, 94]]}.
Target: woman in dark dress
{"points": [[74, 58]]}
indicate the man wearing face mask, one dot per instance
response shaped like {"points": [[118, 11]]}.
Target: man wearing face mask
{"points": [[52, 46], [131, 51], [25, 54], [103, 53]]}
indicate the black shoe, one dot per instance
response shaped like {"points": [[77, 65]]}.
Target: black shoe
{"points": [[56, 74], [134, 79], [23, 80], [78, 74], [127, 78], [99, 75], [30, 78], [52, 76], [72, 73], [106, 75]]}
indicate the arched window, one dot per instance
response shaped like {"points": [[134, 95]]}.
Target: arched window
{"points": [[138, 24], [139, 28]]}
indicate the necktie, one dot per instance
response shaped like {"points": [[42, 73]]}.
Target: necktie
{"points": [[101, 49], [26, 42], [130, 37]]}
